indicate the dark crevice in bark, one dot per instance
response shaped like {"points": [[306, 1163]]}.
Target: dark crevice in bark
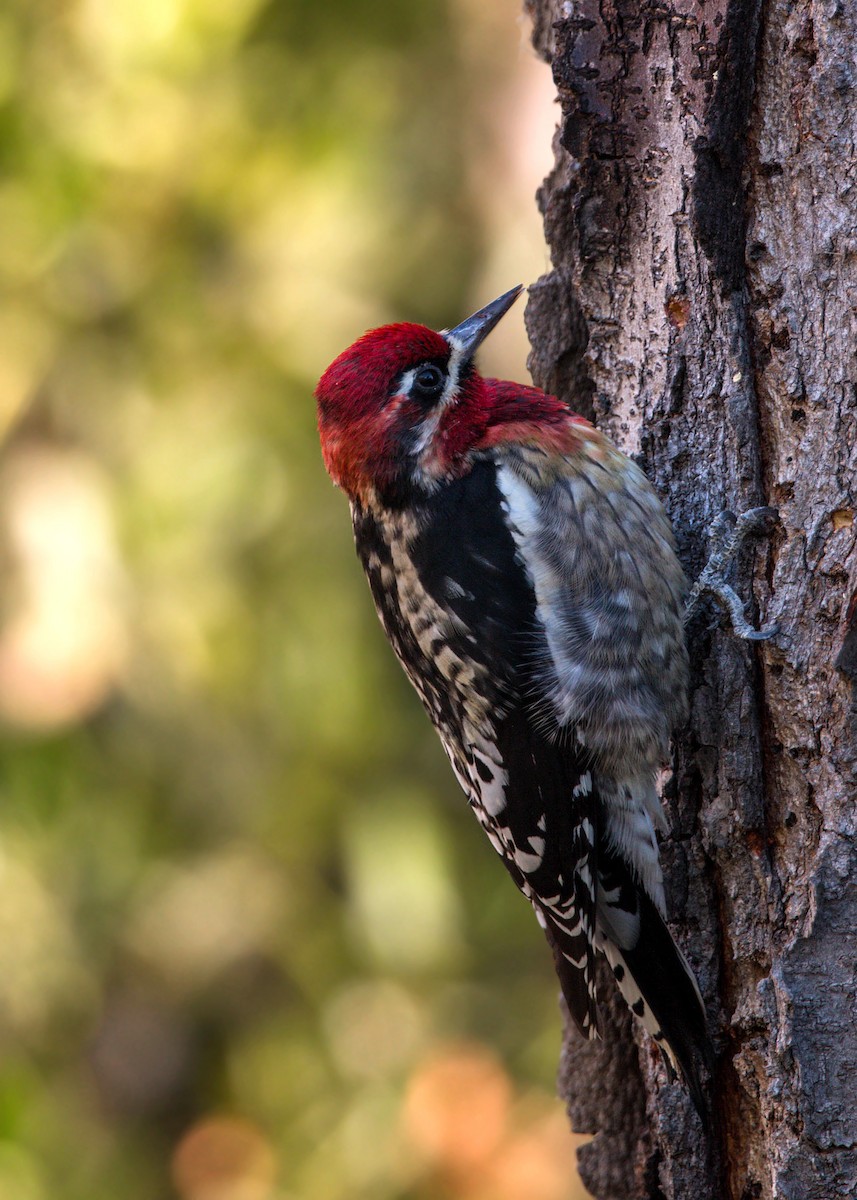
{"points": [[718, 185], [736, 1115]]}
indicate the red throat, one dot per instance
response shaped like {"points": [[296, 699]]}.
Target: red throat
{"points": [[490, 412]]}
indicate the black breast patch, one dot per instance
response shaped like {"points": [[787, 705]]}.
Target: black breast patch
{"points": [[465, 557]]}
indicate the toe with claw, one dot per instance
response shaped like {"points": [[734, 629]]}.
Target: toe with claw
{"points": [[726, 537]]}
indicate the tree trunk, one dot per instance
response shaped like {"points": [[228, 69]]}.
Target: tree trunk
{"points": [[702, 219]]}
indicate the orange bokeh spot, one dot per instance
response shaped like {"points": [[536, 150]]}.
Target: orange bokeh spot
{"points": [[224, 1158], [457, 1107], [481, 1141]]}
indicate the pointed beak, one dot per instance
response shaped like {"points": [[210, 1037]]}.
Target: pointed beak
{"points": [[470, 334]]}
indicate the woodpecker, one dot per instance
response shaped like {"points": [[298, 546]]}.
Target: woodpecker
{"points": [[525, 573]]}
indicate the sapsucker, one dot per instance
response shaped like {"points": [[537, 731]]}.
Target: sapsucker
{"points": [[525, 573]]}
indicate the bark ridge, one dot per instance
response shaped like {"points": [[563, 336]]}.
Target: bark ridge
{"points": [[702, 220]]}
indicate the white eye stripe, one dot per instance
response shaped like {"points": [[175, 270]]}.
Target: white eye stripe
{"points": [[407, 382], [449, 393], [456, 357], [427, 429]]}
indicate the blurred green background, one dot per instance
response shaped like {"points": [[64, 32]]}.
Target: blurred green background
{"points": [[252, 945]]}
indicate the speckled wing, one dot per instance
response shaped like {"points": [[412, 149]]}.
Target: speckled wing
{"points": [[460, 612]]}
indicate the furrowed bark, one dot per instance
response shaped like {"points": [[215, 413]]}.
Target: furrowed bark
{"points": [[702, 220]]}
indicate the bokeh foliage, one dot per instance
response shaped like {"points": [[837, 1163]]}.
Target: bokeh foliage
{"points": [[251, 944]]}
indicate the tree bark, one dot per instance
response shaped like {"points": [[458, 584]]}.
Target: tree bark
{"points": [[702, 220]]}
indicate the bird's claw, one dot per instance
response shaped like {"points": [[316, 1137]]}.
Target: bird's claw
{"points": [[726, 536]]}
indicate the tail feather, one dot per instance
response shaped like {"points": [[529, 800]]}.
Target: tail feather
{"points": [[660, 989]]}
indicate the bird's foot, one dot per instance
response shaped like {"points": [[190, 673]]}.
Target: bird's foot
{"points": [[725, 538]]}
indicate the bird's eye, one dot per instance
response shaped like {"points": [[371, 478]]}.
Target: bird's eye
{"points": [[429, 382]]}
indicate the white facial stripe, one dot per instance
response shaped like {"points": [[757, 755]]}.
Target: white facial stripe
{"points": [[428, 429], [429, 426], [456, 357], [407, 382]]}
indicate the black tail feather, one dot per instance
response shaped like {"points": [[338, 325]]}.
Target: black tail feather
{"points": [[666, 982]]}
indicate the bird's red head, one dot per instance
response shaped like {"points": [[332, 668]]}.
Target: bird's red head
{"points": [[403, 405]]}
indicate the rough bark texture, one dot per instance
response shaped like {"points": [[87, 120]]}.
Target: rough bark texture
{"points": [[702, 219]]}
